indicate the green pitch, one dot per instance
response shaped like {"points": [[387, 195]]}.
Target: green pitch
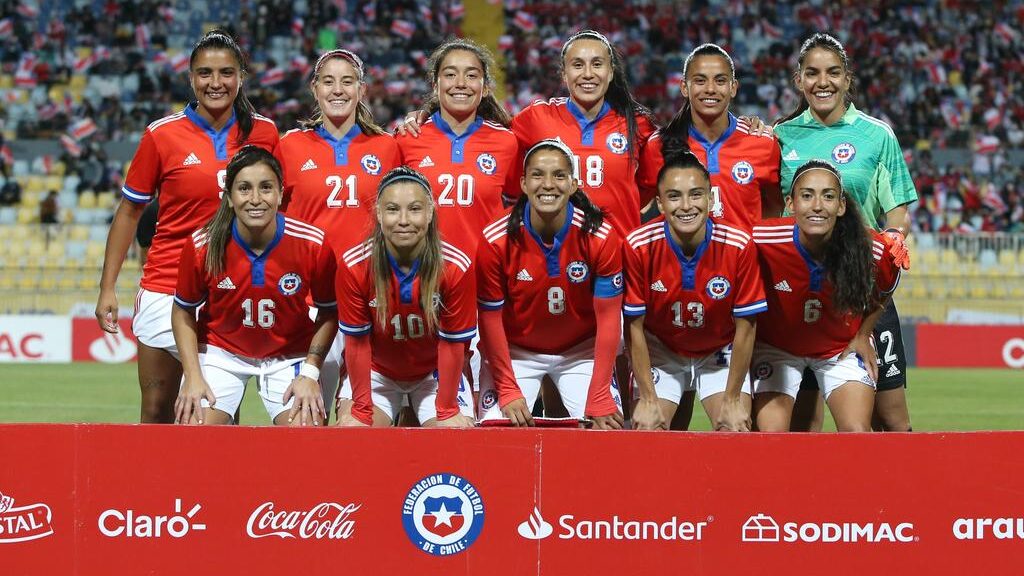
{"points": [[939, 399]]}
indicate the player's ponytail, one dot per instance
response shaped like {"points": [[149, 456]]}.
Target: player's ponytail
{"points": [[848, 260], [364, 116], [489, 109], [825, 42], [218, 229], [430, 254], [619, 96], [675, 137], [244, 111]]}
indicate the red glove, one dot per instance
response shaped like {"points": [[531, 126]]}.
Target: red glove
{"points": [[897, 244]]}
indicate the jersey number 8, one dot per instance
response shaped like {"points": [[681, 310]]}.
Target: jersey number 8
{"points": [[595, 171]]}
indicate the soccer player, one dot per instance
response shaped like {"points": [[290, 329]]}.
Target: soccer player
{"points": [[406, 306], [332, 167], [183, 156], [693, 292], [744, 165], [253, 269], [827, 278], [827, 126], [550, 291]]}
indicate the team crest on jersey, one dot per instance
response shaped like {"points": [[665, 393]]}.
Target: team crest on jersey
{"points": [[718, 287], [763, 371], [843, 153], [371, 164], [617, 280], [486, 163], [577, 271], [617, 143], [743, 172], [443, 514], [289, 283], [488, 398]]}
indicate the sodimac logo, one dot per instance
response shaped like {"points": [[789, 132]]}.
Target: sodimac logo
{"points": [[23, 523], [764, 528]]}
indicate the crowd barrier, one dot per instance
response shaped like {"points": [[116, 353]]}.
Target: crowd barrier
{"points": [[112, 500]]}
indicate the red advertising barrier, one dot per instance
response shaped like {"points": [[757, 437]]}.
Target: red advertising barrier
{"points": [[91, 344], [105, 499], [959, 346]]}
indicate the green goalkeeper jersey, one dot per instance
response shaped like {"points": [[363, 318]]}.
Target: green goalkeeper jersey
{"points": [[865, 151]]}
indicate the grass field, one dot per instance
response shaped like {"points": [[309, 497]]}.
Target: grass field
{"points": [[939, 399]]}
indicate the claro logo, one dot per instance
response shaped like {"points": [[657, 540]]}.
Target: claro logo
{"points": [[132, 524], [327, 520], [764, 528], [984, 528]]}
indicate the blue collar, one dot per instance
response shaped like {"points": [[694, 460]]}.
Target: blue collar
{"points": [[340, 146], [713, 148], [550, 254], [258, 261], [817, 271], [689, 265], [405, 280], [219, 138], [458, 141], [587, 126]]}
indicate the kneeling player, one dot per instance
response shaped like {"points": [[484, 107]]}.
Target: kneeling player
{"points": [[827, 277], [693, 290], [550, 289], [253, 268]]}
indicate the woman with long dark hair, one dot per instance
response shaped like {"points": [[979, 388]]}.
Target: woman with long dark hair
{"points": [[183, 157], [407, 309], [827, 126], [827, 278], [252, 270], [550, 291]]}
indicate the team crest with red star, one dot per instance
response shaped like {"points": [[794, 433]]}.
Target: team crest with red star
{"points": [[289, 283], [371, 164], [443, 514], [743, 172], [718, 287], [843, 153], [617, 143]]}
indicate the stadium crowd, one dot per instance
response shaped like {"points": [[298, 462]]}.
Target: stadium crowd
{"points": [[943, 74]]}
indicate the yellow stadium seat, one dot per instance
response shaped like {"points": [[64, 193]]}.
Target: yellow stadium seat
{"points": [[1008, 257], [88, 282], [979, 290], [87, 200], [27, 215], [48, 283], [105, 200], [6, 281], [35, 249], [919, 291], [938, 289], [79, 232], [59, 169], [31, 199], [958, 290], [56, 92], [67, 283], [55, 250], [54, 182], [34, 184], [950, 257], [27, 282], [78, 82]]}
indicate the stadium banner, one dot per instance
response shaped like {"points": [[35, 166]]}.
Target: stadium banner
{"points": [[91, 344], [35, 338], [109, 499], [959, 346]]}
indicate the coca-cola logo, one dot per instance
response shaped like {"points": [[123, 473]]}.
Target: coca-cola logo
{"points": [[325, 521], [23, 523]]}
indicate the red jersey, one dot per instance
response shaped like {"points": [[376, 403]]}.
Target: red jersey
{"points": [[689, 303], [800, 318], [741, 166], [403, 349], [184, 159], [604, 167], [546, 293], [257, 306], [332, 183], [469, 174]]}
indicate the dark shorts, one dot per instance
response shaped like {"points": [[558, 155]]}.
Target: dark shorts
{"points": [[892, 367]]}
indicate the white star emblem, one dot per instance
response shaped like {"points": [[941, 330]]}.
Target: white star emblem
{"points": [[443, 516]]}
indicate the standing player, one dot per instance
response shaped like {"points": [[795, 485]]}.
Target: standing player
{"points": [[407, 311], [253, 269], [332, 167], [693, 290], [550, 291], [183, 156], [827, 126], [828, 277]]}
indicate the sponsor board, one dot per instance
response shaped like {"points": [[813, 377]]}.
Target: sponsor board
{"points": [[764, 528], [23, 523], [35, 339], [91, 344], [130, 523], [962, 346], [613, 527]]}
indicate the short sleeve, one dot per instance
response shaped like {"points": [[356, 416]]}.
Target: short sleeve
{"points": [[324, 273], [750, 298], [609, 281], [635, 301], [894, 185], [143, 178], [192, 288], [353, 305], [458, 304], [490, 283]]}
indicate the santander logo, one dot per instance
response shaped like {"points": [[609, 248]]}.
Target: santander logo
{"points": [[113, 348], [327, 520], [535, 528]]}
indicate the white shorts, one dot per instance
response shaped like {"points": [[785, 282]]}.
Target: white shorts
{"points": [[570, 371], [152, 321], [330, 370], [227, 373], [392, 395], [674, 374], [777, 371]]}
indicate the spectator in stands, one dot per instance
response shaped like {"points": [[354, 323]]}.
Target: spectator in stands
{"points": [[49, 209], [10, 193]]}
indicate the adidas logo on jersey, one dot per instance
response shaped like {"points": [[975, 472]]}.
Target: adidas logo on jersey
{"points": [[309, 165], [783, 286], [191, 160], [893, 371], [659, 286], [226, 284], [426, 162], [524, 276], [792, 155]]}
